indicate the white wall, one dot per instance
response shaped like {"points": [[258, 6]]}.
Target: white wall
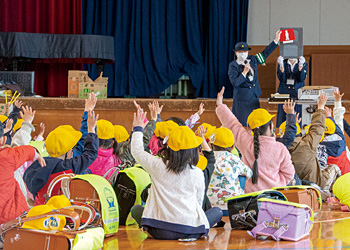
{"points": [[325, 22]]}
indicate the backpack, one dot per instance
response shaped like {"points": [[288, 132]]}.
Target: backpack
{"points": [[128, 187]]}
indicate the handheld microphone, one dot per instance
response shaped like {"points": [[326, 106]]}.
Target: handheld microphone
{"points": [[249, 72]]}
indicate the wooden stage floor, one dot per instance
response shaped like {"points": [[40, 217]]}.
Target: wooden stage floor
{"points": [[331, 230]]}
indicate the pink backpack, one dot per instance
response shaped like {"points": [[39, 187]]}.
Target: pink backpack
{"points": [[283, 220]]}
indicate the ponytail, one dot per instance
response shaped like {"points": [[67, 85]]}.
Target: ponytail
{"points": [[256, 155]]}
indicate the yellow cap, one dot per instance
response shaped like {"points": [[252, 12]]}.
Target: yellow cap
{"points": [[61, 140], [258, 118], [283, 128], [341, 189], [120, 133], [59, 201], [164, 128], [210, 130], [223, 137], [105, 129], [329, 126], [48, 223], [18, 125], [202, 162], [183, 137], [3, 118]]}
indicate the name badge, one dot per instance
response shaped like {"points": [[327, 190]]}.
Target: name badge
{"points": [[290, 81]]}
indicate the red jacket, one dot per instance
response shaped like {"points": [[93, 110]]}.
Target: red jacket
{"points": [[12, 201]]}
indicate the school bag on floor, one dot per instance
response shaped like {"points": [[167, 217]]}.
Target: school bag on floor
{"points": [[243, 209], [128, 188], [307, 195], [283, 220], [95, 191]]}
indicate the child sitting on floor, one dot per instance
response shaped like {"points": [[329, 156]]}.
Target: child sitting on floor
{"points": [[107, 152], [224, 182], [174, 207], [269, 160], [12, 200], [59, 144]]}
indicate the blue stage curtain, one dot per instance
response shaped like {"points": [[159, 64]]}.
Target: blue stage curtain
{"points": [[225, 25], [156, 42]]}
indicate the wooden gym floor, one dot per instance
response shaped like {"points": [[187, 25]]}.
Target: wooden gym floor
{"points": [[331, 230]]}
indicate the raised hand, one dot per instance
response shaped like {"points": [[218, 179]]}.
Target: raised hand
{"points": [[153, 111], [220, 97], [27, 114], [41, 129], [278, 35], [337, 96], [288, 106], [328, 111], [91, 121], [18, 104], [8, 127], [90, 102], [297, 117], [201, 132], [137, 106], [158, 109], [201, 109], [139, 119], [322, 100]]}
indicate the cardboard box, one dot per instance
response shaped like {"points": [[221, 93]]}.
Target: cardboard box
{"points": [[75, 77], [99, 87], [4, 109]]}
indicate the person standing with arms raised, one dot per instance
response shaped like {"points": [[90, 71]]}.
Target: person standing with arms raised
{"points": [[243, 74]]}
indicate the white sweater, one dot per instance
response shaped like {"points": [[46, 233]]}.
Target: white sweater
{"points": [[175, 200]]}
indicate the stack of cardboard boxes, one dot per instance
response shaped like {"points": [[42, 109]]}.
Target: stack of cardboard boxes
{"points": [[80, 85]]}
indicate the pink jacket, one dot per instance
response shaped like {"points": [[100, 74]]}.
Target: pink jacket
{"points": [[104, 161], [274, 162]]}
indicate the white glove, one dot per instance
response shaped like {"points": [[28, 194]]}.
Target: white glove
{"points": [[280, 61], [301, 61]]}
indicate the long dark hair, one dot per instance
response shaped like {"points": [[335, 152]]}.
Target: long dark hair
{"points": [[177, 120], [178, 161], [257, 132], [109, 143]]}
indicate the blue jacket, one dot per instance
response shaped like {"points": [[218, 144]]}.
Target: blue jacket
{"points": [[346, 127], [298, 76], [79, 148], [335, 148], [246, 93], [36, 176], [290, 132]]}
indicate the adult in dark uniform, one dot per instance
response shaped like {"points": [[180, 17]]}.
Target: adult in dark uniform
{"points": [[291, 74], [243, 74]]}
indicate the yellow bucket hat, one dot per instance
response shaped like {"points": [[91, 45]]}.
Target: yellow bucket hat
{"points": [[18, 125], [59, 201], [329, 126], [120, 133], [3, 118], [210, 130], [223, 137], [104, 129], [202, 162], [283, 128], [258, 118], [48, 223], [164, 128], [182, 138], [341, 189], [61, 140]]}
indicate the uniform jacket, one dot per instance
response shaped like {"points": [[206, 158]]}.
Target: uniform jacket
{"points": [[208, 171], [303, 150], [296, 75], [246, 93], [12, 201], [275, 165], [36, 176]]}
